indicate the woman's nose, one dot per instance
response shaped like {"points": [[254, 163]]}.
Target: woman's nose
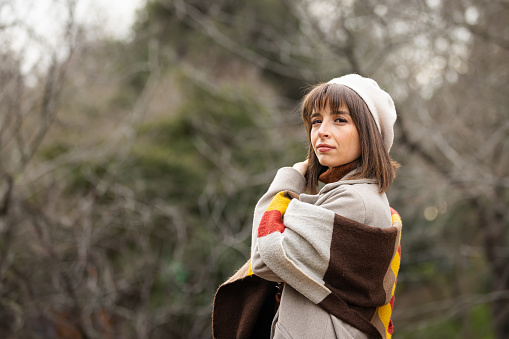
{"points": [[323, 131]]}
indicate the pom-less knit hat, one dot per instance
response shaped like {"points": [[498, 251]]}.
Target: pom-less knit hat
{"points": [[379, 102]]}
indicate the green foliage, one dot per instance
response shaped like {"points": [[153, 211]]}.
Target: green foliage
{"points": [[481, 322], [228, 32], [477, 324], [169, 155], [446, 329], [54, 150]]}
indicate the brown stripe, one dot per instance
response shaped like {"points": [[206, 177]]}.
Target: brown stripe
{"points": [[359, 259], [341, 310], [244, 309]]}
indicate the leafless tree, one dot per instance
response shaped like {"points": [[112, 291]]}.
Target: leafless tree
{"points": [[85, 252]]}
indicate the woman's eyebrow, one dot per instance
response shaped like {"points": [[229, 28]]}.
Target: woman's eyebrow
{"points": [[340, 111], [337, 112]]}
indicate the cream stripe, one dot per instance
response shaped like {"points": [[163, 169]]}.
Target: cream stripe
{"points": [[274, 256]]}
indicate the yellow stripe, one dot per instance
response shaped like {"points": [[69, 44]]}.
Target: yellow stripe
{"points": [[250, 271], [384, 312], [279, 203], [395, 264]]}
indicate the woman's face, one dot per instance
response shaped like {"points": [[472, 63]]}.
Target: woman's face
{"points": [[334, 136]]}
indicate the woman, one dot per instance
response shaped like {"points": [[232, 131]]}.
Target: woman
{"points": [[334, 253]]}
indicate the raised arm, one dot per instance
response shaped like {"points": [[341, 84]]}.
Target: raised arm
{"points": [[287, 178], [305, 238], [319, 252]]}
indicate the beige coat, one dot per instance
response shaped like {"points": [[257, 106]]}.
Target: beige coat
{"points": [[359, 200]]}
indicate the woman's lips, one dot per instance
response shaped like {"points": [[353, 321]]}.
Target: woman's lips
{"points": [[322, 148]]}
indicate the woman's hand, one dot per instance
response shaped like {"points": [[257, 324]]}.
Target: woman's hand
{"points": [[302, 167]]}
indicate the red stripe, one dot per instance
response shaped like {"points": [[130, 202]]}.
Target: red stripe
{"points": [[271, 222]]}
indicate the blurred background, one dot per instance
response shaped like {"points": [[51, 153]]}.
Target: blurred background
{"points": [[137, 136]]}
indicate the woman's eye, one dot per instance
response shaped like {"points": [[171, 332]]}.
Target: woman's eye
{"points": [[316, 121], [341, 120]]}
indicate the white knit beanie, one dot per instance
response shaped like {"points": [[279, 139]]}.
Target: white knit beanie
{"points": [[379, 102]]}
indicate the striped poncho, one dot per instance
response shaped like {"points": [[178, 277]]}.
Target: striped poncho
{"points": [[356, 284]]}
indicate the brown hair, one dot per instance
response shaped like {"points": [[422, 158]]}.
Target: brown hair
{"points": [[375, 161]]}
